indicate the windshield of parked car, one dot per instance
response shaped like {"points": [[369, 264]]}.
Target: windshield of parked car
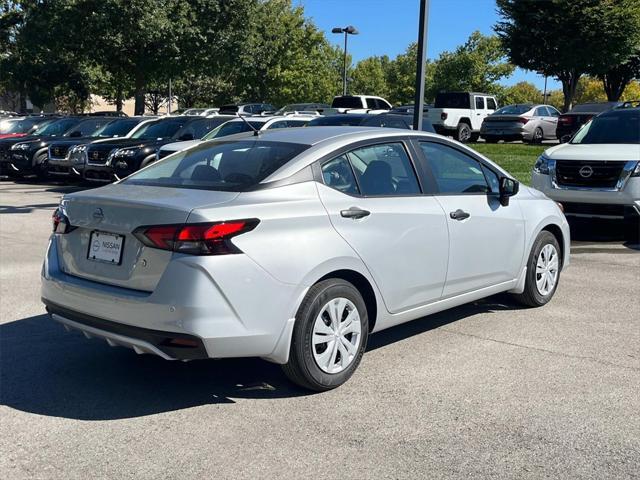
{"points": [[452, 100], [230, 128], [57, 127], [617, 127], [340, 120], [19, 126], [347, 102], [513, 110], [227, 166], [118, 128], [159, 129]]}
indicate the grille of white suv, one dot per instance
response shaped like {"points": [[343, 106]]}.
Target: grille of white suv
{"points": [[588, 173]]}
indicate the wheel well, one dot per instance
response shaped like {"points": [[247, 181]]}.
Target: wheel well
{"points": [[557, 232], [465, 120], [364, 287]]}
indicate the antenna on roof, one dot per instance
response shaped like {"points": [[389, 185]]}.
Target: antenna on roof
{"points": [[256, 133]]}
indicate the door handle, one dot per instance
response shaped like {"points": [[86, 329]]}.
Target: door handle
{"points": [[459, 215], [354, 213]]}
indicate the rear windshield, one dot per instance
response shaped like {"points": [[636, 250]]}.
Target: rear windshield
{"points": [[347, 102], [592, 107], [618, 127], [513, 110], [452, 100], [336, 120], [228, 166]]}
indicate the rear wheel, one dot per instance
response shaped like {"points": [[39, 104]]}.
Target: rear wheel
{"points": [[537, 136], [463, 133], [543, 271], [329, 336]]}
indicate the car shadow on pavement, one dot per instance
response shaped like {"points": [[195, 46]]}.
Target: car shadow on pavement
{"points": [[600, 231], [26, 208], [48, 371]]}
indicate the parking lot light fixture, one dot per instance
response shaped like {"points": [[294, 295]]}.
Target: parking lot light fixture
{"points": [[348, 30]]}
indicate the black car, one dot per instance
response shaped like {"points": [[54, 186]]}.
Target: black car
{"points": [[570, 122], [120, 157], [389, 120], [58, 161], [28, 154]]}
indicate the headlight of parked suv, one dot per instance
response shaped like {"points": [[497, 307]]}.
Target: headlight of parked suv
{"points": [[20, 146], [636, 171], [542, 165], [125, 152]]}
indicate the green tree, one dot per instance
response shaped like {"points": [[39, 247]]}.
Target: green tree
{"points": [[370, 77], [477, 65], [617, 78], [521, 92], [568, 38], [285, 58]]}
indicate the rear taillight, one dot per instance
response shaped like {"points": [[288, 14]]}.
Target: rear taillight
{"points": [[196, 239], [565, 120], [60, 222], [523, 120], [444, 115]]}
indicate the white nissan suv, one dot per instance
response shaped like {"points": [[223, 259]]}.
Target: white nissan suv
{"points": [[597, 173]]}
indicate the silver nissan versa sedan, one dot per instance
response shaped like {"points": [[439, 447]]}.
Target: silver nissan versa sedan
{"points": [[294, 245]]}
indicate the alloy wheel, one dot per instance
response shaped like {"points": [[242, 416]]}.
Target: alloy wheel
{"points": [[336, 336]]}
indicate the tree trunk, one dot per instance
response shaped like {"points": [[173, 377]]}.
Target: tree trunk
{"points": [[139, 94], [569, 84], [614, 83], [119, 100]]}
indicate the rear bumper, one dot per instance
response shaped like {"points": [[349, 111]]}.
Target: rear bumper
{"points": [[168, 345], [228, 304]]}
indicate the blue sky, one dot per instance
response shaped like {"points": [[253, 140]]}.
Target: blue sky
{"points": [[388, 26]]}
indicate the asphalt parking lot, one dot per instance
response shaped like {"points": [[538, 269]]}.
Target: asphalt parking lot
{"points": [[488, 390]]}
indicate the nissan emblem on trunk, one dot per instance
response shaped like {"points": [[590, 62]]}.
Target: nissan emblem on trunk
{"points": [[98, 214]]}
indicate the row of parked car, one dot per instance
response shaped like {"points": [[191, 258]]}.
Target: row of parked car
{"points": [[104, 148]]}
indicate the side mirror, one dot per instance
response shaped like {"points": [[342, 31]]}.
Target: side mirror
{"points": [[76, 133], [186, 136], [508, 188]]}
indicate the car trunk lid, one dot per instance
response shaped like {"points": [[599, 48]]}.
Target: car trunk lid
{"points": [[118, 210]]}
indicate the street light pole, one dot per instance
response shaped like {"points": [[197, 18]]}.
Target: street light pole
{"points": [[421, 64], [349, 30]]}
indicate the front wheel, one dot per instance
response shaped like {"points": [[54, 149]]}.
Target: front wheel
{"points": [[40, 167], [543, 271], [329, 336]]}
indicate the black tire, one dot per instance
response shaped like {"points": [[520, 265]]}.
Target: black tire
{"points": [[632, 230], [474, 137], [40, 167], [463, 132], [302, 368], [531, 296]]}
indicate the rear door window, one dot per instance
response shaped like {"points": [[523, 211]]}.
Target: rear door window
{"points": [[337, 174], [384, 170]]}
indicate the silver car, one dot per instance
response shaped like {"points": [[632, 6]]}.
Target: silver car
{"points": [[529, 123], [294, 245]]}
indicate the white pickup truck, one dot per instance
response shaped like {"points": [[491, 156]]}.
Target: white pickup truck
{"points": [[360, 104], [460, 114]]}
